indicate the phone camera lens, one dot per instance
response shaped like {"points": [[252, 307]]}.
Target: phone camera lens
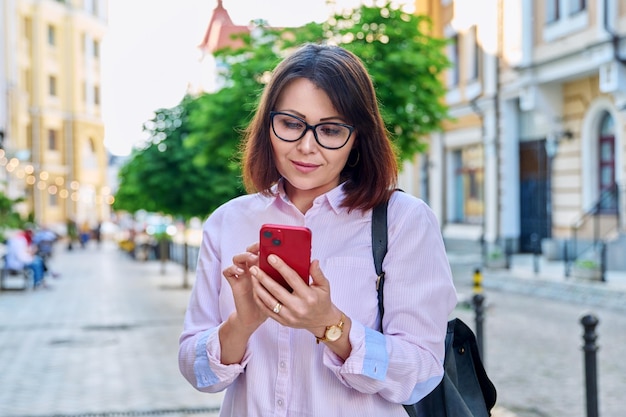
{"points": [[276, 242], [267, 234]]}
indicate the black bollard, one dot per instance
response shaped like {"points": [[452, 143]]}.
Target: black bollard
{"points": [[589, 323], [536, 244], [479, 307]]}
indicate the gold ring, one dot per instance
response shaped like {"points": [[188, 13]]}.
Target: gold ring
{"points": [[277, 308]]}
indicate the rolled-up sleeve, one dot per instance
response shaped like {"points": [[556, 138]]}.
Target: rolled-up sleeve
{"points": [[404, 362]]}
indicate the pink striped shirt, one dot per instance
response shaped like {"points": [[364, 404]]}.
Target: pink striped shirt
{"points": [[284, 372]]}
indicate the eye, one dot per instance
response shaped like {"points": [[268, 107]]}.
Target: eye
{"points": [[291, 123], [331, 130]]}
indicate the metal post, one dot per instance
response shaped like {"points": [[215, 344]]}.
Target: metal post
{"points": [[534, 239], [508, 252], [566, 258], [603, 261], [589, 323], [479, 301], [477, 281]]}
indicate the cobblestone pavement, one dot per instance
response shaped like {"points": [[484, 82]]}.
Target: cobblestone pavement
{"points": [[534, 337], [103, 342]]}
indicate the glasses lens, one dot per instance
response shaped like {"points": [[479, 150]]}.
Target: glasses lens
{"points": [[329, 135], [287, 127], [332, 135]]}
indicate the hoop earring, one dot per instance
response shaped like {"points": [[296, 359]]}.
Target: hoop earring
{"points": [[358, 157]]}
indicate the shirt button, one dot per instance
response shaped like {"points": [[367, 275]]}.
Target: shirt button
{"points": [[280, 403], [283, 364]]}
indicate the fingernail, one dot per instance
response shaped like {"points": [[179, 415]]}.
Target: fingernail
{"points": [[253, 270], [239, 271], [272, 259]]}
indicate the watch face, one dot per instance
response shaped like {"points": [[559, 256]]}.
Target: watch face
{"points": [[333, 333]]}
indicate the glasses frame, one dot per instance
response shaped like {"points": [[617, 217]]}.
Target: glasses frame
{"points": [[311, 128]]}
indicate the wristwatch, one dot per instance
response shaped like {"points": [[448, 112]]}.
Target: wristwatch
{"points": [[332, 333]]}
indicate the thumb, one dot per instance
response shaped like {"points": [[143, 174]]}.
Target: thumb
{"points": [[317, 276]]}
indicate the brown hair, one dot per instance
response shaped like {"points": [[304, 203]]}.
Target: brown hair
{"points": [[343, 77]]}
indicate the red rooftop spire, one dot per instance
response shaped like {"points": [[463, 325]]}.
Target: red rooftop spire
{"points": [[220, 31]]}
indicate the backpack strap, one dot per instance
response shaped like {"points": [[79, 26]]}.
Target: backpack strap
{"points": [[379, 249]]}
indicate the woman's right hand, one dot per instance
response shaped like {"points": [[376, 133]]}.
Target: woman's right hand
{"points": [[249, 315]]}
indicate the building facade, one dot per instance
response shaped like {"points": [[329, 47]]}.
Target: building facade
{"points": [[534, 158], [53, 150]]}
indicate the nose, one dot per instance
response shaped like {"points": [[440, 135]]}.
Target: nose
{"points": [[307, 143]]}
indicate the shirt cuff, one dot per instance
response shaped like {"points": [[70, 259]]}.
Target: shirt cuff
{"points": [[208, 368], [368, 357]]}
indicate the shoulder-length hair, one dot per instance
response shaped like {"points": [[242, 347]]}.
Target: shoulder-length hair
{"points": [[343, 77]]}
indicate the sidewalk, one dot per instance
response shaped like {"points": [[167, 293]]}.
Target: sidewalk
{"points": [[103, 341], [549, 281]]}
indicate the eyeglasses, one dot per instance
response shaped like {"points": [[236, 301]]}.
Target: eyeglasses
{"points": [[329, 135]]}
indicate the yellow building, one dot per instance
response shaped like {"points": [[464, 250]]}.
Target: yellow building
{"points": [[535, 158], [53, 153]]}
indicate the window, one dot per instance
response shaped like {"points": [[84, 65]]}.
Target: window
{"points": [[96, 49], [452, 50], [564, 17], [52, 86], [52, 140], [469, 184], [606, 164], [552, 10], [473, 54], [576, 6], [52, 35], [96, 95]]}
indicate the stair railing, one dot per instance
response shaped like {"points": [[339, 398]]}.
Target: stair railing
{"points": [[603, 218]]}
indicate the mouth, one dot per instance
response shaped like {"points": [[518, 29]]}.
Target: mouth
{"points": [[304, 167]]}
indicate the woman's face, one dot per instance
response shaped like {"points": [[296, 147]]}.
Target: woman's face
{"points": [[309, 169]]}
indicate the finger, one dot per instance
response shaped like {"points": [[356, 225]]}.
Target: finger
{"points": [[245, 260], [295, 281], [232, 271], [317, 276], [265, 286], [267, 302]]}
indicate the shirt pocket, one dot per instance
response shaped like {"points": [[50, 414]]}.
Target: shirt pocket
{"points": [[353, 287]]}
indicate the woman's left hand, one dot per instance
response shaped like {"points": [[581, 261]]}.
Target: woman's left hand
{"points": [[307, 307]]}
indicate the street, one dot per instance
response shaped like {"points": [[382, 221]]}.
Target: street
{"points": [[534, 356], [103, 341]]}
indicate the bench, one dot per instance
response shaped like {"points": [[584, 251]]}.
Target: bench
{"points": [[24, 278]]}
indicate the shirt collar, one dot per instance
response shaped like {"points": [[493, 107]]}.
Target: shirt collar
{"points": [[334, 197]]}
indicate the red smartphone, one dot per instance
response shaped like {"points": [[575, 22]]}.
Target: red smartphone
{"points": [[292, 244]]}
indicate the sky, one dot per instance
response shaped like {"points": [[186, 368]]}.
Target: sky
{"points": [[150, 54]]}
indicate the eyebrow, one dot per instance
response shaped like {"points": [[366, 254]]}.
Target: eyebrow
{"points": [[302, 116]]}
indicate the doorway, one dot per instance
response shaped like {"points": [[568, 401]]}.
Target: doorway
{"points": [[534, 182]]}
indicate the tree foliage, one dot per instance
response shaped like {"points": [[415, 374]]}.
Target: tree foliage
{"points": [[164, 176], [9, 217], [191, 165]]}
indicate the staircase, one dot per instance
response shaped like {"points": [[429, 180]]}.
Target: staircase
{"points": [[597, 236]]}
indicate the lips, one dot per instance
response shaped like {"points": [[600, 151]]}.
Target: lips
{"points": [[304, 167]]}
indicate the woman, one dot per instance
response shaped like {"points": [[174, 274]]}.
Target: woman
{"points": [[317, 155]]}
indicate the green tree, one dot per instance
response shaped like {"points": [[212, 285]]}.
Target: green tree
{"points": [[406, 65], [165, 176], [9, 218], [190, 166]]}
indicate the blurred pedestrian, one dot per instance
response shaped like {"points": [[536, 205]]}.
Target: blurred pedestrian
{"points": [[72, 233], [84, 235], [317, 155], [44, 240], [21, 254]]}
